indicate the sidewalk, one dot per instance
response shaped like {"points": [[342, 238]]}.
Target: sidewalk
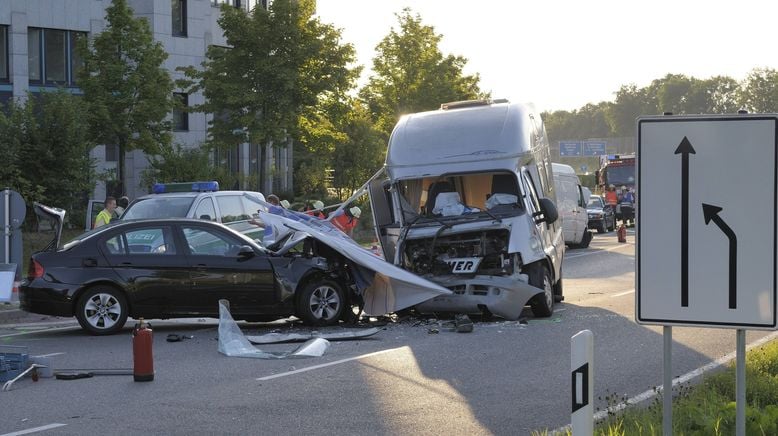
{"points": [[11, 314]]}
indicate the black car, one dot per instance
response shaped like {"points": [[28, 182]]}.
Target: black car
{"points": [[601, 216], [172, 268]]}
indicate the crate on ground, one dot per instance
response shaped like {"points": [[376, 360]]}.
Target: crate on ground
{"points": [[13, 361]]}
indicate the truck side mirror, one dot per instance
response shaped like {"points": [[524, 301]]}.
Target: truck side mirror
{"points": [[550, 212]]}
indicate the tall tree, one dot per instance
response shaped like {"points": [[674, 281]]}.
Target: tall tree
{"points": [[759, 91], [412, 74], [281, 60], [128, 92]]}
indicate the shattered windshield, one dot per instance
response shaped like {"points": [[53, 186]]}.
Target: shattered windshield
{"points": [[460, 196]]}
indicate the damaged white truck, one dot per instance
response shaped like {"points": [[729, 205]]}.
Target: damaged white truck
{"points": [[466, 201]]}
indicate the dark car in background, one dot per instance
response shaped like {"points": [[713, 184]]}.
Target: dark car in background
{"points": [[601, 216], [179, 267]]}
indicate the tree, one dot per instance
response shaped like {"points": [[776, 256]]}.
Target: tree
{"points": [[759, 91], [412, 75], [281, 61], [48, 151], [179, 164], [358, 157], [128, 92]]}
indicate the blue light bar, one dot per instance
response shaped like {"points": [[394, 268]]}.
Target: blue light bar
{"points": [[162, 188]]}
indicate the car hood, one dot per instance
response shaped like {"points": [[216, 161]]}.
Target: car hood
{"points": [[50, 218], [390, 288]]}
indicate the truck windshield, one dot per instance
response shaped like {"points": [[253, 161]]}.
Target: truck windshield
{"points": [[159, 207], [621, 175], [479, 195]]}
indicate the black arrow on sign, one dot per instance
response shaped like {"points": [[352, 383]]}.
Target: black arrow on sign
{"points": [[685, 149], [712, 214]]}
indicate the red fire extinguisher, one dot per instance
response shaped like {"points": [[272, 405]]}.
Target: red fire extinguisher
{"points": [[622, 233], [143, 359]]}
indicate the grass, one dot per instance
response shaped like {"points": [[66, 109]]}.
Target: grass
{"points": [[707, 408]]}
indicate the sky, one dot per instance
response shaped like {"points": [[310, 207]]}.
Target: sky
{"points": [[563, 54]]}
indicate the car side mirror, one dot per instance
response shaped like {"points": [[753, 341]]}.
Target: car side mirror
{"points": [[550, 212], [246, 252]]}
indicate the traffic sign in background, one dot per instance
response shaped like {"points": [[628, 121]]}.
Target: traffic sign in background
{"points": [[594, 148], [706, 226], [569, 148]]}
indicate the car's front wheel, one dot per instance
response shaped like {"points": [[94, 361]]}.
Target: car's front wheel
{"points": [[542, 304], [322, 302], [102, 310]]}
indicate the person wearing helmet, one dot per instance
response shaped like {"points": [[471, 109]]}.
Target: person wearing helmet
{"points": [[611, 197], [347, 219], [315, 209]]}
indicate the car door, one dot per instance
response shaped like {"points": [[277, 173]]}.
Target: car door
{"points": [[218, 271], [150, 262]]}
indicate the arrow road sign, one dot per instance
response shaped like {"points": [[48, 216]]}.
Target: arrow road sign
{"points": [[712, 214], [707, 250], [685, 149]]}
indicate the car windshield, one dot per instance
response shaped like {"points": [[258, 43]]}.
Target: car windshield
{"points": [[595, 202], [159, 207]]}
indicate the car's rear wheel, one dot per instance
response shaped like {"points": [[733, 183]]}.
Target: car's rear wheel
{"points": [[102, 310], [542, 304], [322, 302]]}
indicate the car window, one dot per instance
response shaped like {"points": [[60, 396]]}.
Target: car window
{"points": [[231, 208], [158, 207], [150, 240], [595, 201], [531, 191], [205, 210], [210, 243]]}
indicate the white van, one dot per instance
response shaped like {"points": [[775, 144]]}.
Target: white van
{"points": [[468, 203], [571, 201]]}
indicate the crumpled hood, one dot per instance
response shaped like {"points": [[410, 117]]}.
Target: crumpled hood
{"points": [[390, 288]]}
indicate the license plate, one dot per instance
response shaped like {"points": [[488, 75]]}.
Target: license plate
{"points": [[464, 265]]}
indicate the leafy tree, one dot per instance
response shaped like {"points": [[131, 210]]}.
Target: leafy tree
{"points": [[358, 157], [759, 91], [412, 74], [48, 151], [631, 102], [128, 92], [181, 164], [281, 61]]}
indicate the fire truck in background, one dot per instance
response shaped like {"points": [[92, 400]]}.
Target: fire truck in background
{"points": [[619, 171]]}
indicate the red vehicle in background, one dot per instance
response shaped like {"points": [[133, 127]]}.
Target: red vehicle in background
{"points": [[619, 171]]}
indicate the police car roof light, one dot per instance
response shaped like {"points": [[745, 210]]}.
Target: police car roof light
{"points": [[162, 188]]}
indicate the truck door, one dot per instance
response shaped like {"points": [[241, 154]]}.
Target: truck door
{"points": [[387, 230]]}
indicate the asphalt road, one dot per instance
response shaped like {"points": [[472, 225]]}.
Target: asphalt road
{"points": [[504, 378]]}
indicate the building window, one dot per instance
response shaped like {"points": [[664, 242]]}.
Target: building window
{"points": [[52, 57], [111, 153], [179, 17], [180, 113], [246, 5], [3, 53]]}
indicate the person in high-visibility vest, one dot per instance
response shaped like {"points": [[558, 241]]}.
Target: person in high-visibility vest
{"points": [[347, 219], [611, 197], [105, 215]]}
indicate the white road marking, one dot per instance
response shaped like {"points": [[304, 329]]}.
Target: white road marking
{"points": [[34, 430], [599, 416], [40, 331], [621, 294], [50, 354], [323, 365], [577, 255]]}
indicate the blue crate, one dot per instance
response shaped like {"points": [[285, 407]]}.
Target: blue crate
{"points": [[13, 361]]}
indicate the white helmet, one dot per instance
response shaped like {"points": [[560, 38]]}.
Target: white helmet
{"points": [[318, 205], [355, 211], [284, 204]]}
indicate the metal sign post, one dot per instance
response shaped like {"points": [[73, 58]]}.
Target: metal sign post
{"points": [[582, 366], [740, 383], [7, 225], [707, 251], [667, 389]]}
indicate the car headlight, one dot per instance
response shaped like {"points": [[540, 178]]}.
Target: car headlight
{"points": [[595, 215]]}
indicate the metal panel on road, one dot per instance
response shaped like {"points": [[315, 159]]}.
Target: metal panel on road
{"points": [[706, 227]]}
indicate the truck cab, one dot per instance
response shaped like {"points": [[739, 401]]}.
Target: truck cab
{"points": [[468, 203]]}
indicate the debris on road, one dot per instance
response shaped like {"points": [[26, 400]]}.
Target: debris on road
{"points": [[233, 343], [279, 338], [177, 338]]}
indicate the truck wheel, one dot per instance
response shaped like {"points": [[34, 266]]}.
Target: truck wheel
{"points": [[542, 304]]}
